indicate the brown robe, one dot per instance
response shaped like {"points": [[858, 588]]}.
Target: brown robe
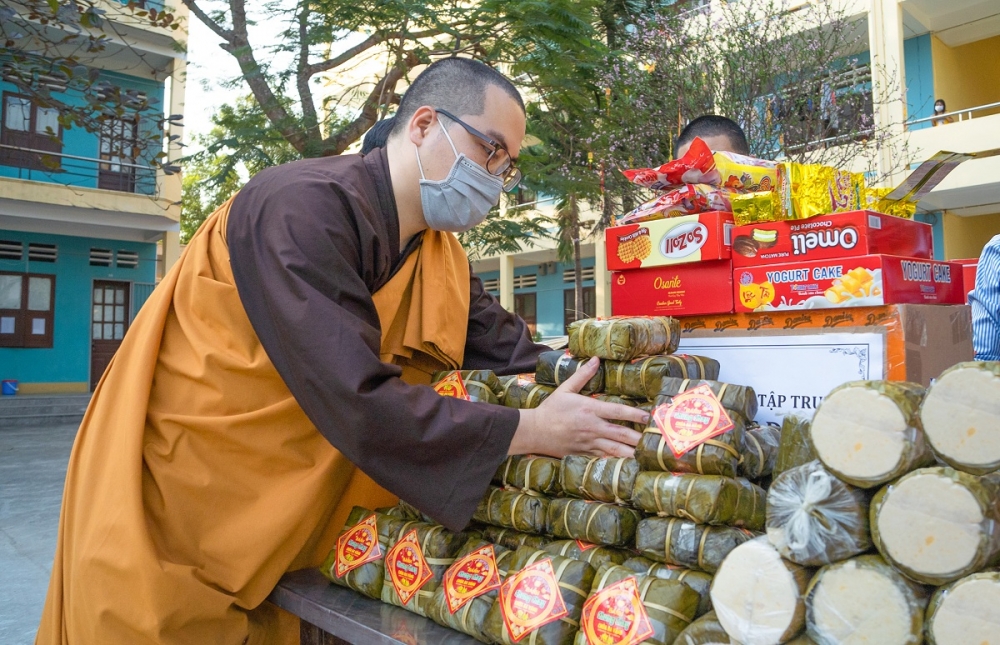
{"points": [[199, 477]]}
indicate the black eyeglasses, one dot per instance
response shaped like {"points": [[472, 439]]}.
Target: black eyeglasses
{"points": [[499, 163]]}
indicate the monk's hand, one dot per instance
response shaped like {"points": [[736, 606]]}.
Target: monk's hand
{"points": [[568, 423]]}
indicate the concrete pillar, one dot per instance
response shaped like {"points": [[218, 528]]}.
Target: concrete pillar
{"points": [[602, 279], [507, 282], [171, 250], [885, 39]]}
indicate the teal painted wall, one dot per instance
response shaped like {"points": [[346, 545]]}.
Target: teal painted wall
{"points": [[79, 142], [919, 79], [550, 289], [68, 361]]}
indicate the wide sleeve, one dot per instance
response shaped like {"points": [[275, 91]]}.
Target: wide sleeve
{"points": [[497, 339], [985, 300], [298, 254]]}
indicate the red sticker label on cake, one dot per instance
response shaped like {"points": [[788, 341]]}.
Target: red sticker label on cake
{"points": [[530, 599], [406, 566], [615, 615], [452, 385], [691, 419], [585, 546], [471, 577], [357, 546]]}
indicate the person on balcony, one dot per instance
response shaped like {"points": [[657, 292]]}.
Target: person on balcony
{"points": [[278, 374], [941, 108]]}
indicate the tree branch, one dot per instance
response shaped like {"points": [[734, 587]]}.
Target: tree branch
{"points": [[376, 38], [220, 31], [309, 119], [239, 47], [337, 143]]}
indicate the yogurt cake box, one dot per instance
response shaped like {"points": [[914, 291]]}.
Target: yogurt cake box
{"points": [[831, 236], [865, 281]]}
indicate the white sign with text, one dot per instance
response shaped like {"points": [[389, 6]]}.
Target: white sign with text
{"points": [[792, 373]]}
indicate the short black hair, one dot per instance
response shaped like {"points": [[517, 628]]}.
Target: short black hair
{"points": [[377, 135], [457, 85], [713, 125]]}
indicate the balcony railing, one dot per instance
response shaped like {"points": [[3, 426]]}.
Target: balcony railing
{"points": [[73, 170], [959, 115]]}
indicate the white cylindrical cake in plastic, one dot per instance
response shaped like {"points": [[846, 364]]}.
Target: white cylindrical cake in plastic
{"points": [[937, 525], [961, 416], [813, 518], [868, 433], [758, 596], [864, 600], [966, 611]]}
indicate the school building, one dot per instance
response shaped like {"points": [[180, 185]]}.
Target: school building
{"points": [[86, 226]]}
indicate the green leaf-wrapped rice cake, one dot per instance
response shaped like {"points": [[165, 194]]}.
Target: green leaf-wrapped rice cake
{"points": [[404, 571], [593, 554], [622, 339], [758, 596], [868, 433], [707, 630], [937, 525], [795, 446], [703, 499], [719, 455], [602, 479], [513, 540], [573, 580], [527, 473], [738, 398], [594, 522], [864, 600], [523, 394], [480, 378], [473, 576], [513, 510], [700, 581], [966, 611], [357, 545], [670, 605], [813, 518], [555, 367], [760, 450], [683, 543], [961, 417], [642, 378]]}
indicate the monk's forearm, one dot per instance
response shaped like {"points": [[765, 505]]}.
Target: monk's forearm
{"points": [[525, 441]]}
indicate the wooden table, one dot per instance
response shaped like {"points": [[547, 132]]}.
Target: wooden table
{"points": [[333, 615]]}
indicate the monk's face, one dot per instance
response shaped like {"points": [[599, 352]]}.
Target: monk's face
{"points": [[716, 143], [502, 120]]}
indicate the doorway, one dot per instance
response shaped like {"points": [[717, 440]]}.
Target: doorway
{"points": [[109, 317]]}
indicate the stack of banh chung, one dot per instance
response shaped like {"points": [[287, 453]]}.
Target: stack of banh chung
{"points": [[882, 522]]}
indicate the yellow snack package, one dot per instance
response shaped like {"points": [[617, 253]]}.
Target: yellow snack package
{"points": [[807, 190]]}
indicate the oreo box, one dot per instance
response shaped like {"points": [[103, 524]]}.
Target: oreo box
{"points": [[865, 281], [663, 242], [831, 236], [681, 290]]}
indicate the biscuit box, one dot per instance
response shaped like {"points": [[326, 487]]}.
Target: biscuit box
{"points": [[676, 240], [680, 290], [865, 281], [831, 236]]}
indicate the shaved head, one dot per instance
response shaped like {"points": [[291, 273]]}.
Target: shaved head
{"points": [[457, 85]]}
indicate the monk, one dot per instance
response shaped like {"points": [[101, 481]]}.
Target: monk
{"points": [[278, 375]]}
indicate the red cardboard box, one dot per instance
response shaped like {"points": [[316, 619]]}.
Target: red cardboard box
{"points": [[866, 281], [831, 236], [969, 267], [681, 290], [664, 242]]}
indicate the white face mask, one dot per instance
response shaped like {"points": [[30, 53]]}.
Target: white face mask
{"points": [[461, 200]]}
